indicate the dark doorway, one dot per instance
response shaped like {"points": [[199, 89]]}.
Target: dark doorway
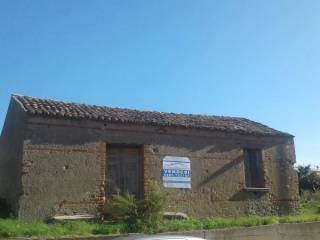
{"points": [[124, 170]]}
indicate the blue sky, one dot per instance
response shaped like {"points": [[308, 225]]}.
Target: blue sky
{"points": [[254, 59]]}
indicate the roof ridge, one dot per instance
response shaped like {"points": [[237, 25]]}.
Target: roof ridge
{"points": [[73, 110], [129, 109]]}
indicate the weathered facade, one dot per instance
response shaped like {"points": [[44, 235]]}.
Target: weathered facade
{"points": [[60, 158]]}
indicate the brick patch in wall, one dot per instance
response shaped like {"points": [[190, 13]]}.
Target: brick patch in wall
{"points": [[147, 162], [102, 157]]}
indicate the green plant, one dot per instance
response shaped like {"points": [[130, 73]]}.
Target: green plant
{"points": [[145, 215], [310, 202], [123, 208], [308, 180], [152, 207], [18, 228]]}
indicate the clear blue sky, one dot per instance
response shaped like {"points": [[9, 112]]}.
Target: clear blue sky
{"points": [[254, 59]]}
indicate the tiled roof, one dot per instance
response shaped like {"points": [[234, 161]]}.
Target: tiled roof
{"points": [[61, 109]]}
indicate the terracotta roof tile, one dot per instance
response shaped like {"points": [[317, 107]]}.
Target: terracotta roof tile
{"points": [[46, 107]]}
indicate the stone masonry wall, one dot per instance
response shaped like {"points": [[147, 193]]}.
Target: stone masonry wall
{"points": [[11, 144], [218, 184], [62, 180], [216, 163]]}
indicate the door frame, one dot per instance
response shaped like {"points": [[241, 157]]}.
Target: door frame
{"points": [[141, 170]]}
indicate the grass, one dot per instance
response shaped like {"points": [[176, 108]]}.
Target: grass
{"points": [[15, 228], [216, 223], [310, 203], [310, 211]]}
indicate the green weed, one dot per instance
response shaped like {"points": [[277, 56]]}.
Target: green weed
{"points": [[310, 209]]}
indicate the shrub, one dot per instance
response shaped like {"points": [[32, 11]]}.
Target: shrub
{"points": [[309, 180], [152, 207], [310, 202], [123, 208], [145, 215]]}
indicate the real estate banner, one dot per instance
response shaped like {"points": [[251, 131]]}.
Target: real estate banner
{"points": [[176, 172]]}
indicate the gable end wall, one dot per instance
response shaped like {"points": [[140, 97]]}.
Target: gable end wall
{"points": [[11, 145]]}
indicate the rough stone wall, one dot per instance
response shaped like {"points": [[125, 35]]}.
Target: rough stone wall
{"points": [[11, 142], [216, 163], [282, 178], [288, 231], [62, 179], [218, 182]]}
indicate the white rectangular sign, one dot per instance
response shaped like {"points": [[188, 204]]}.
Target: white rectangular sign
{"points": [[176, 172]]}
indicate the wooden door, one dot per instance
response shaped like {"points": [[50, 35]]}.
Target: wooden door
{"points": [[124, 170]]}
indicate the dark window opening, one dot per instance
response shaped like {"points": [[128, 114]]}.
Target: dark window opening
{"points": [[253, 168]]}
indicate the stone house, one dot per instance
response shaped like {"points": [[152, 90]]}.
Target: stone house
{"points": [[59, 158]]}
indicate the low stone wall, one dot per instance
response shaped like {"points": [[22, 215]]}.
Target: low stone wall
{"points": [[305, 231], [295, 231]]}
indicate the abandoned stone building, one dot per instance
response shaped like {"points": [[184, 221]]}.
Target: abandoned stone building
{"points": [[59, 158]]}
